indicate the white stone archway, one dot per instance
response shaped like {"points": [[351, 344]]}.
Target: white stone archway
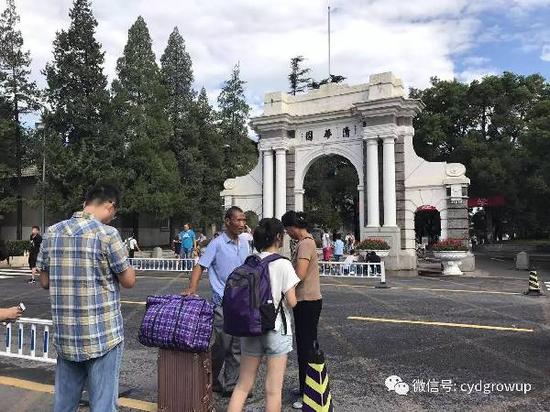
{"points": [[371, 126]]}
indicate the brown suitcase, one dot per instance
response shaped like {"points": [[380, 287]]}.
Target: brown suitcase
{"points": [[184, 381]]}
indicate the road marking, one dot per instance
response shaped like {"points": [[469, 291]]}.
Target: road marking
{"points": [[137, 404], [40, 387], [498, 260], [131, 302], [445, 324], [24, 384], [6, 277], [15, 272], [495, 292]]}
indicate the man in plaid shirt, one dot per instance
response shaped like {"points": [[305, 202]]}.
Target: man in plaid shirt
{"points": [[82, 262]]}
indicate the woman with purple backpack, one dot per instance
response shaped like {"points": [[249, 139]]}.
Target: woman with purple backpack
{"points": [[275, 344], [308, 293]]}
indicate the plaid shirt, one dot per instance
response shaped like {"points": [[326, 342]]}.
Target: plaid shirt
{"points": [[82, 257]]}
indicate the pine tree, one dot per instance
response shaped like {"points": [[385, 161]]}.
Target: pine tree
{"points": [[298, 76], [211, 150], [240, 154], [177, 77], [8, 197], [81, 148], [21, 94], [140, 104]]}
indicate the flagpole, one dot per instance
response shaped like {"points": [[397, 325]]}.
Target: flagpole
{"points": [[328, 39]]}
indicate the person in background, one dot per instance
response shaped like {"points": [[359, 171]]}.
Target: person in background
{"points": [[34, 248], [276, 344], [176, 246], [188, 245], [349, 267], [132, 245], [372, 257], [223, 254], [308, 293], [83, 263], [248, 234], [338, 247], [201, 239], [349, 241], [326, 244]]}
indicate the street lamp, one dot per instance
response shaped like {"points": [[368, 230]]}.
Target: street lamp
{"points": [[40, 127]]}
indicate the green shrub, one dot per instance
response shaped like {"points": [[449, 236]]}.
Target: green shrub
{"points": [[17, 247], [372, 244]]}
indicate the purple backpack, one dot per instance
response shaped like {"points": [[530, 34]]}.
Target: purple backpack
{"points": [[177, 322], [248, 308]]}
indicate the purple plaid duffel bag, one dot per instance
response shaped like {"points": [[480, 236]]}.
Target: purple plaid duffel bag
{"points": [[177, 322]]}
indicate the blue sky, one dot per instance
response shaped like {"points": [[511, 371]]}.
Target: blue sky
{"points": [[510, 41], [416, 39]]}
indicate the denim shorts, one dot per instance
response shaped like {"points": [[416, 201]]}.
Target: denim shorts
{"points": [[271, 344]]}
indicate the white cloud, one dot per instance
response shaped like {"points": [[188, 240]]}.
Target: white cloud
{"points": [[545, 54], [471, 74], [415, 39], [475, 60]]}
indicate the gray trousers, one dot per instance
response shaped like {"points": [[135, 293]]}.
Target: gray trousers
{"points": [[226, 354]]}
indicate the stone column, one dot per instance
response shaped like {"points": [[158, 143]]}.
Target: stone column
{"points": [[280, 182], [361, 190], [299, 199], [227, 202], [373, 198], [390, 202], [267, 200]]}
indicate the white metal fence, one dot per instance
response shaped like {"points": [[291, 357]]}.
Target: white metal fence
{"points": [[354, 269], [162, 264], [34, 348], [342, 269]]}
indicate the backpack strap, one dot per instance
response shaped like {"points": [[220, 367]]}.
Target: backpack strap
{"points": [[265, 262], [271, 258], [283, 315]]}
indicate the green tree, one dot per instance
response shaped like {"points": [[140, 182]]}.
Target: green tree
{"points": [[177, 77], [493, 127], [297, 78], [240, 154], [331, 193], [140, 102], [211, 149], [21, 94], [333, 78], [81, 148], [8, 195]]}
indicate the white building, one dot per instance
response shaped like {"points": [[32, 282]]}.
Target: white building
{"points": [[371, 126]]}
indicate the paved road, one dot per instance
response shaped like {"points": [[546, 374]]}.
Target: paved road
{"points": [[450, 335]]}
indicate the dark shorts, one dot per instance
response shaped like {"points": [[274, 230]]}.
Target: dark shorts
{"points": [[32, 260]]}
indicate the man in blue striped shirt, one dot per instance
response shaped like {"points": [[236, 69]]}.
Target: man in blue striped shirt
{"points": [[83, 262]]}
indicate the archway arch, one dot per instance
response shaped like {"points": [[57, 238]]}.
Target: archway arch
{"points": [[331, 198], [305, 158], [427, 225]]}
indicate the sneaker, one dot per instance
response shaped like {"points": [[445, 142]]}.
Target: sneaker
{"points": [[297, 405], [31, 281]]}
